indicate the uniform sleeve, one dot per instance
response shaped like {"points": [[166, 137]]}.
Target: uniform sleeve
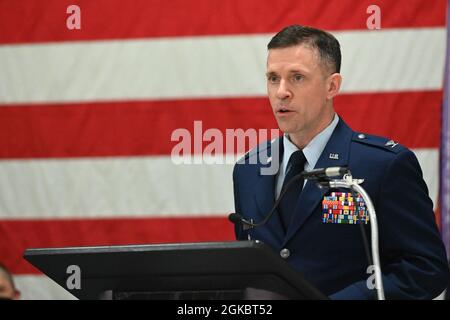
{"points": [[413, 258], [239, 233]]}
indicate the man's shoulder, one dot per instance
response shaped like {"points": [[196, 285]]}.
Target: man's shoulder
{"points": [[255, 153], [369, 142]]}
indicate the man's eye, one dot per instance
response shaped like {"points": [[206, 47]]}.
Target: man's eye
{"points": [[297, 77], [272, 79]]}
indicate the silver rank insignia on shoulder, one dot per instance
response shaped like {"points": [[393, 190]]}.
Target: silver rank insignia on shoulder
{"points": [[334, 156], [391, 143]]}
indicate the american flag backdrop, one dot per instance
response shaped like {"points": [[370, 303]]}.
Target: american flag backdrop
{"points": [[86, 116]]}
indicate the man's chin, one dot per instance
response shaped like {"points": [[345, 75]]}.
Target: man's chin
{"points": [[289, 127], [285, 129]]}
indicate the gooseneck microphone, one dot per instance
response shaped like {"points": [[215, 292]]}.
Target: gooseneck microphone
{"points": [[330, 172], [237, 218], [315, 174]]}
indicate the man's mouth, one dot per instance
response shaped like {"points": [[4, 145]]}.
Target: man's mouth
{"points": [[283, 110]]}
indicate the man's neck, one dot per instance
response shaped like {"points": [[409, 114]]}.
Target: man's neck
{"points": [[301, 139]]}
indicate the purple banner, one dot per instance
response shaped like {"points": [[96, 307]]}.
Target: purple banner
{"points": [[445, 148]]}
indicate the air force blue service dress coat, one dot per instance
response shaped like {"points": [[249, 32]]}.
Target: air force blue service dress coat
{"points": [[331, 255]]}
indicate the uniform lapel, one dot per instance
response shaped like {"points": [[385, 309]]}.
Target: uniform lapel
{"points": [[265, 191], [311, 195]]}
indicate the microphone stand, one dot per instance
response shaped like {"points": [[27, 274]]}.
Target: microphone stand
{"points": [[323, 180], [348, 182]]}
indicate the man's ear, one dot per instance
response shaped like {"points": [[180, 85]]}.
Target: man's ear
{"points": [[333, 85]]}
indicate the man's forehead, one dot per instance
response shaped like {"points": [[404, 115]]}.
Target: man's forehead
{"points": [[5, 283], [296, 57], [4, 277], [287, 67]]}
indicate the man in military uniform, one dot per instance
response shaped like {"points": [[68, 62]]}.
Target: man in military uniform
{"points": [[315, 230]]}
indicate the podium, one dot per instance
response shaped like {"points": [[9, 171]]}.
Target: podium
{"points": [[191, 271]]}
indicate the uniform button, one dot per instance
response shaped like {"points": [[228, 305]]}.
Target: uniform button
{"points": [[285, 253], [361, 136]]}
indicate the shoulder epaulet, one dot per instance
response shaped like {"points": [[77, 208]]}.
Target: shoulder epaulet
{"points": [[378, 142], [254, 152]]}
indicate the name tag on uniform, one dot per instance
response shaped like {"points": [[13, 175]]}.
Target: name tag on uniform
{"points": [[342, 208]]}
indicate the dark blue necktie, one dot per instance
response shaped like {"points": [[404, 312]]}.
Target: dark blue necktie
{"points": [[295, 165]]}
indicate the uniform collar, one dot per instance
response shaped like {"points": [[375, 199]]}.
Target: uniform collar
{"points": [[314, 148]]}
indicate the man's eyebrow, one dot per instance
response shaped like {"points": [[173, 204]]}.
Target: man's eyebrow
{"points": [[270, 73], [298, 71]]}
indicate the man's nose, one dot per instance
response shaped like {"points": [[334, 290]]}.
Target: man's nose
{"points": [[283, 91]]}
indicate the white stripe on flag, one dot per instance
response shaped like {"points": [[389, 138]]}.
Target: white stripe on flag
{"points": [[221, 66], [113, 187], [130, 187], [34, 287]]}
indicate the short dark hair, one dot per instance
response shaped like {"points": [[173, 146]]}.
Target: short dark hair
{"points": [[325, 43]]}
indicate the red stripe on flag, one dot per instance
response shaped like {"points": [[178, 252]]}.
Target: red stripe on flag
{"points": [[411, 118], [43, 21], [145, 127], [18, 235]]}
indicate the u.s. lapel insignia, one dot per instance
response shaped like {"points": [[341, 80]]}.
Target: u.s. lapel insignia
{"points": [[391, 143], [334, 156], [342, 208]]}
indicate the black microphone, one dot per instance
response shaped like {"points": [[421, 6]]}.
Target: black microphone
{"points": [[315, 174], [235, 218]]}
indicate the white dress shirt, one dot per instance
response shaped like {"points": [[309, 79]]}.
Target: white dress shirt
{"points": [[312, 152]]}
